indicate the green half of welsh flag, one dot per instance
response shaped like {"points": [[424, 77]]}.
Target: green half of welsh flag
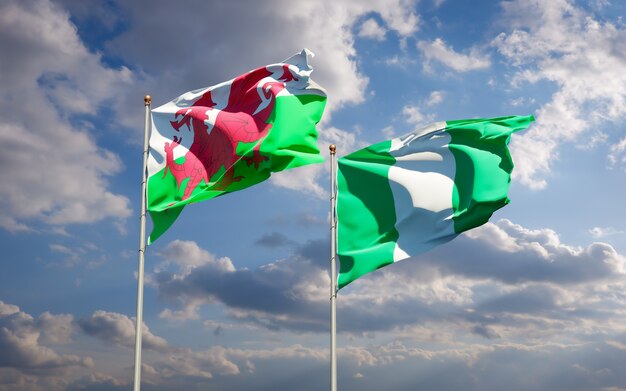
{"points": [[228, 137], [401, 197]]}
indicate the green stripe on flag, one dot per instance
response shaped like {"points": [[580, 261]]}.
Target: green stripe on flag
{"points": [[369, 201], [162, 221], [483, 167]]}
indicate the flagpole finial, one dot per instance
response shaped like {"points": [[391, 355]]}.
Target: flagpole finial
{"points": [[147, 99], [332, 149]]}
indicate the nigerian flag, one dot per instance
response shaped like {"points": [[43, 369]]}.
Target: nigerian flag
{"points": [[402, 197], [230, 136]]}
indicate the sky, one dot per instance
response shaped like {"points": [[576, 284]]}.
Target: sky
{"points": [[237, 290]]}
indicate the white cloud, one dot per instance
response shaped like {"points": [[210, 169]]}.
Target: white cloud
{"points": [[346, 141], [120, 330], [539, 255], [511, 282], [189, 312], [187, 255], [174, 366], [371, 29], [56, 329], [435, 98], [616, 154], [584, 58], [388, 132], [328, 34], [53, 172], [398, 61], [22, 338], [438, 51], [186, 362], [303, 179], [517, 285], [506, 268], [280, 288], [179, 365], [522, 101], [601, 232], [8, 309], [427, 348], [413, 115], [72, 256]]}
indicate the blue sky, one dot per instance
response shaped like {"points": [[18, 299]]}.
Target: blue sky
{"points": [[237, 289]]}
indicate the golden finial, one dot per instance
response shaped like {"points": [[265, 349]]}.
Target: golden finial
{"points": [[332, 148], [147, 99]]}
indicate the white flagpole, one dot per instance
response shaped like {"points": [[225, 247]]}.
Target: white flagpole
{"points": [[142, 248], [333, 271]]}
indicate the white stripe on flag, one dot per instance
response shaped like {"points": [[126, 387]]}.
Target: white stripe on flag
{"points": [[423, 172]]}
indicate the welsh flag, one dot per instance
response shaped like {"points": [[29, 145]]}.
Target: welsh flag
{"points": [[230, 136], [402, 197]]}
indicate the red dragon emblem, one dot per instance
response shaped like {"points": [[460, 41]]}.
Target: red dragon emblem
{"points": [[216, 133]]}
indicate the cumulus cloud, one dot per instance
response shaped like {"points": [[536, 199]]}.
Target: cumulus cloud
{"points": [[413, 356], [589, 366], [55, 329], [183, 367], [531, 256], [53, 170], [616, 156], [180, 366], [508, 279], [187, 255], [435, 98], [346, 141], [24, 357], [499, 281], [413, 115], [329, 35], [172, 365], [601, 232], [119, 329], [273, 239], [98, 381], [303, 179], [467, 311], [439, 52], [86, 253], [584, 58], [280, 294], [399, 61], [371, 29]]}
